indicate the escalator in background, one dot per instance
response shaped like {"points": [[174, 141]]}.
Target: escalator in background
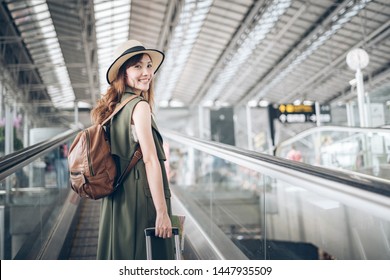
{"points": [[268, 208], [361, 150], [34, 200]]}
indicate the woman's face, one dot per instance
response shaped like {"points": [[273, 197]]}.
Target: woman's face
{"points": [[139, 75]]}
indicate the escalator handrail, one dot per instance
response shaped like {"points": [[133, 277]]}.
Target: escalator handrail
{"points": [[344, 129], [14, 161], [284, 166]]}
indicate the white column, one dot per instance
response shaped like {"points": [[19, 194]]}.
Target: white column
{"points": [[1, 99], [350, 115], [357, 59], [9, 133], [200, 122], [360, 97], [249, 127], [367, 109], [25, 130], [318, 113]]}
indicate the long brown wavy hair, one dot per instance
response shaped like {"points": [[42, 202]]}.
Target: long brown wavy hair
{"points": [[106, 105]]}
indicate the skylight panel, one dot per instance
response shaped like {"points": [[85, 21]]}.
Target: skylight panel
{"points": [[112, 28], [190, 22], [342, 17], [38, 16], [265, 22]]}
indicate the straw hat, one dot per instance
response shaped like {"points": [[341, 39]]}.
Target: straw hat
{"points": [[129, 49]]}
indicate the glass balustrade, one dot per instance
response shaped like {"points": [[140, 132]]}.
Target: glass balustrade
{"points": [[266, 215], [242, 206], [30, 201], [361, 150]]}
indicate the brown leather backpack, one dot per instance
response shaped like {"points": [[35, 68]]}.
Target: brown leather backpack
{"points": [[93, 172]]}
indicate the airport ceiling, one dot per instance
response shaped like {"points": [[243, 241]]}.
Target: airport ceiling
{"points": [[218, 52]]}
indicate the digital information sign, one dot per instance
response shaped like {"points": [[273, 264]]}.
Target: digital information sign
{"points": [[290, 113]]}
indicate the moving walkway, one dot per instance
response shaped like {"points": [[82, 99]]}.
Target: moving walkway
{"points": [[237, 204]]}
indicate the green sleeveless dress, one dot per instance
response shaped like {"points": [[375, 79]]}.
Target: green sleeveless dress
{"points": [[130, 209]]}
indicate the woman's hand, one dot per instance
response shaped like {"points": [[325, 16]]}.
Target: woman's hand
{"points": [[163, 225]]}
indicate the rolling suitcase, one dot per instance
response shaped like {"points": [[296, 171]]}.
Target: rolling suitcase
{"points": [[149, 232]]}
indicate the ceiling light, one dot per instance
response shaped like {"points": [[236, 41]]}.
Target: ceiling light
{"points": [[176, 104], [263, 103], [208, 103], [340, 103], [83, 105], [163, 103], [297, 102], [252, 103], [352, 82]]}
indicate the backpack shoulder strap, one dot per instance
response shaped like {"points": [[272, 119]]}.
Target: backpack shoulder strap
{"points": [[134, 159], [138, 153], [118, 108]]}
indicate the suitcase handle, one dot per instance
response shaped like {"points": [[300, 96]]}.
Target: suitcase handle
{"points": [[151, 231]]}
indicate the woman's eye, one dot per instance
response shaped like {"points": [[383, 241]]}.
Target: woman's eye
{"points": [[150, 65]]}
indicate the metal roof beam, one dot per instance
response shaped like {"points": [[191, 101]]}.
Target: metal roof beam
{"points": [[34, 87], [87, 17], [289, 56], [28, 66], [169, 20], [21, 52], [372, 39], [216, 69]]}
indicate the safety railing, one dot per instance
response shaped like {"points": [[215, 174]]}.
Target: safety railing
{"points": [[267, 207], [33, 192], [238, 205]]}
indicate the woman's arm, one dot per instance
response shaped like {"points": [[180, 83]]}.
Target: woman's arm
{"points": [[143, 127]]}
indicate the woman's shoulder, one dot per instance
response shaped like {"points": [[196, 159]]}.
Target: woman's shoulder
{"points": [[141, 109]]}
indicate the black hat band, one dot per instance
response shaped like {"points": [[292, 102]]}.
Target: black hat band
{"points": [[133, 49]]}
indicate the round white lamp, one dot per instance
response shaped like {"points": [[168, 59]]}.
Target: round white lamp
{"points": [[357, 59]]}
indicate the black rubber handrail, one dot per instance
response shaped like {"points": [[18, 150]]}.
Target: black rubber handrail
{"points": [[358, 180], [12, 162]]}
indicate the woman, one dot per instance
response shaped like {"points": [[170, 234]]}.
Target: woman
{"points": [[143, 200]]}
